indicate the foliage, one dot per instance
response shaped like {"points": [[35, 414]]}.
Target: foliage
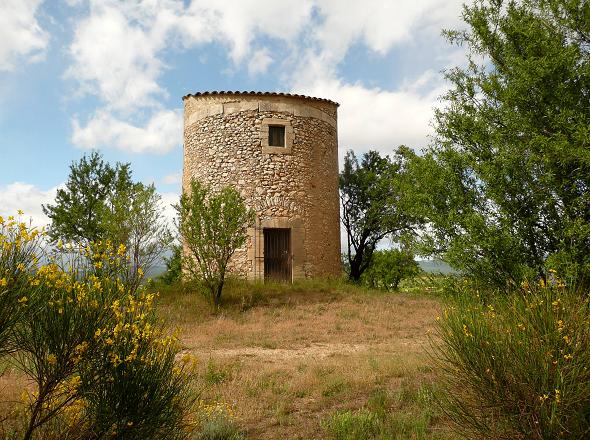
{"points": [[78, 213], [135, 219], [173, 272], [506, 185], [371, 198], [102, 364], [19, 248], [217, 422], [516, 367], [389, 267], [102, 203], [348, 425], [213, 226]]}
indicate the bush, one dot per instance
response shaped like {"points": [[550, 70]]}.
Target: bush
{"points": [[173, 272], [102, 365], [517, 367], [216, 422], [348, 425], [389, 267], [19, 249]]}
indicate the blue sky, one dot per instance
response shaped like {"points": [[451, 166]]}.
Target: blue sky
{"points": [[109, 75]]}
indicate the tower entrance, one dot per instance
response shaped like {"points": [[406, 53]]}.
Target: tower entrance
{"points": [[277, 254]]}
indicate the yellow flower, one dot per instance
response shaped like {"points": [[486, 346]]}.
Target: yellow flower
{"points": [[557, 396], [23, 300], [51, 359], [568, 357], [121, 250], [20, 212], [3, 282]]}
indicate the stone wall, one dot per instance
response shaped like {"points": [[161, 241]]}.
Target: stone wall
{"points": [[296, 186]]}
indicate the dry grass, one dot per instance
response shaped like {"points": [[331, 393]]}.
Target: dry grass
{"points": [[285, 358], [288, 359]]}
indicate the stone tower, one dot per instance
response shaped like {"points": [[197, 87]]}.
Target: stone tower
{"points": [[280, 151]]}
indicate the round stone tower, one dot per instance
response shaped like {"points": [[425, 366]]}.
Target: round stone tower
{"points": [[280, 151]]}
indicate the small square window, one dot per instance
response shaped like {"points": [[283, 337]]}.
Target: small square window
{"points": [[276, 135]]}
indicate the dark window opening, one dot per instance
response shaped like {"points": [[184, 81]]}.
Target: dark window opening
{"points": [[276, 135]]}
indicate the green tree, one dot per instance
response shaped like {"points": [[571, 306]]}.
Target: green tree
{"points": [[371, 199], [102, 203], [78, 212], [505, 187], [134, 218], [389, 267], [212, 226]]}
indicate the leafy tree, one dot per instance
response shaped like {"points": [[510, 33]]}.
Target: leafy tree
{"points": [[213, 226], [371, 197], [505, 186], [134, 218], [389, 267], [101, 203], [77, 214]]}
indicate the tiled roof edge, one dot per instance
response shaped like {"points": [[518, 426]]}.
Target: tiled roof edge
{"points": [[289, 95]]}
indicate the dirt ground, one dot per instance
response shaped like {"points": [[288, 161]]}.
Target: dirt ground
{"points": [[285, 365]]}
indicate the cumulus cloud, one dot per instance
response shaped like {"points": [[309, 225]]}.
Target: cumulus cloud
{"points": [[28, 198], [21, 36], [159, 135], [117, 56]]}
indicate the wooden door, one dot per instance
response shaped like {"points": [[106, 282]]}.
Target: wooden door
{"points": [[277, 254]]}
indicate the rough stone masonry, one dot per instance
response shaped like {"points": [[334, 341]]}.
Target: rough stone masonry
{"points": [[280, 151]]}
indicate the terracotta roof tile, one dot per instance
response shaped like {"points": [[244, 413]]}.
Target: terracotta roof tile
{"points": [[292, 95]]}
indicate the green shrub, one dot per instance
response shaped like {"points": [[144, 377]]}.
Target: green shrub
{"points": [[389, 267], [216, 422], [173, 272], [517, 366], [20, 245], [90, 343], [348, 425]]}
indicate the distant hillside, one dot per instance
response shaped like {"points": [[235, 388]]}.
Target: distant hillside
{"points": [[436, 266]]}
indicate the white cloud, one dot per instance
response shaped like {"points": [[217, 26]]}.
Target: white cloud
{"points": [[259, 62], [380, 24], [118, 49], [116, 60], [172, 179], [28, 198], [21, 36], [372, 118], [159, 135]]}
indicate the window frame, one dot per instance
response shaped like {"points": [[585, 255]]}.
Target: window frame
{"points": [[264, 136]]}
